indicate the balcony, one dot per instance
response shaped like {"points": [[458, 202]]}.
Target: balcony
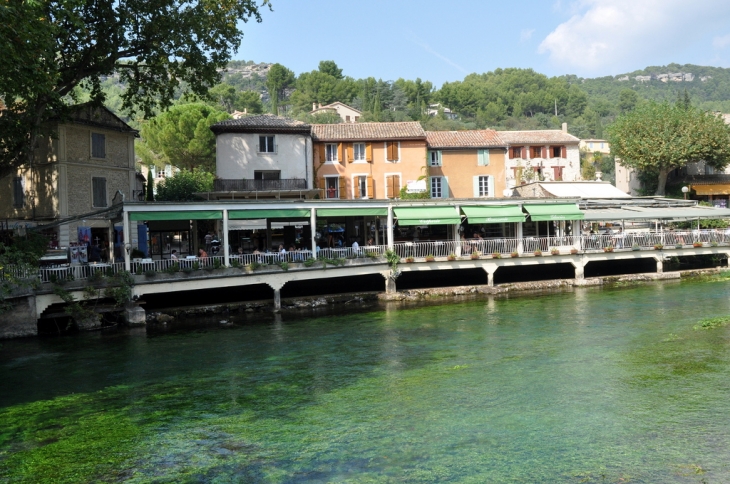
{"points": [[222, 185]]}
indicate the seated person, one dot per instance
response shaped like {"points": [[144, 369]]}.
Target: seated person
{"points": [[173, 254], [355, 246], [202, 254]]}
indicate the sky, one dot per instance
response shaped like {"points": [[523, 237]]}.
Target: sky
{"points": [[443, 41]]}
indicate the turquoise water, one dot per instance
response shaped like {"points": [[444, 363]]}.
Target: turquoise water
{"points": [[595, 385]]}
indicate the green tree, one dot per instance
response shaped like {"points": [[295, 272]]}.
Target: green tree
{"points": [[182, 186], [278, 79], [249, 101], [182, 135], [156, 47], [330, 67], [150, 187], [658, 138], [223, 95], [627, 100]]}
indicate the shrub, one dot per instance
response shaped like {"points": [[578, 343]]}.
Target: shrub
{"points": [[714, 244], [310, 262], [187, 270], [254, 265], [216, 264], [173, 268], [196, 266], [150, 273], [496, 255]]}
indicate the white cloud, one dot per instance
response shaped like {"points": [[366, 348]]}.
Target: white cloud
{"points": [[720, 42], [626, 34], [526, 34]]}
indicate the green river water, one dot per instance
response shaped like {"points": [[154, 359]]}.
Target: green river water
{"points": [[591, 385]]}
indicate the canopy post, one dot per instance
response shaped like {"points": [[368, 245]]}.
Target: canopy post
{"points": [[127, 242], [390, 227], [226, 252], [313, 231]]}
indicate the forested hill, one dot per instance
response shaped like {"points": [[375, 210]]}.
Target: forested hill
{"points": [[508, 98]]}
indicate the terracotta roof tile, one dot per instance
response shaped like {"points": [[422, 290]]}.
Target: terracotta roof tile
{"points": [[537, 136], [367, 131], [481, 138], [260, 122]]}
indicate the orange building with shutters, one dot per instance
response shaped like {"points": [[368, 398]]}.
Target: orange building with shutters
{"points": [[466, 164], [367, 160]]}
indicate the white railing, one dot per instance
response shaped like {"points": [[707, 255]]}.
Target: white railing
{"points": [[417, 250]]}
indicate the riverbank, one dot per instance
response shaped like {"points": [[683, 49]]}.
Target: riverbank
{"points": [[166, 316]]}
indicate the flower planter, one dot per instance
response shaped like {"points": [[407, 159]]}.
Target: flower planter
{"points": [[537, 253], [496, 255], [608, 249], [451, 258], [658, 247], [554, 252], [474, 256], [514, 255], [409, 260], [430, 259], [697, 245], [573, 251]]}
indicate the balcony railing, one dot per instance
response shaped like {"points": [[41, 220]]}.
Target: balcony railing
{"points": [[222, 185]]}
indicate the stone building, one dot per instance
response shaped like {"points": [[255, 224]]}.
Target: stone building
{"points": [[78, 168]]}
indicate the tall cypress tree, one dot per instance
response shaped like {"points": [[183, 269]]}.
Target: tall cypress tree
{"points": [[150, 188]]}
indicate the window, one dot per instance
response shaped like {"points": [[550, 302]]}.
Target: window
{"points": [[347, 119], [482, 186], [535, 152], [590, 145], [483, 158], [392, 151], [332, 187], [266, 175], [361, 183], [266, 144], [98, 189], [437, 187], [18, 192], [709, 170], [515, 152], [330, 152], [357, 118], [392, 184], [557, 152], [358, 152], [434, 158], [98, 145]]}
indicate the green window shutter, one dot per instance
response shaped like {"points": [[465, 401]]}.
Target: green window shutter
{"points": [[475, 186], [438, 155], [483, 158]]}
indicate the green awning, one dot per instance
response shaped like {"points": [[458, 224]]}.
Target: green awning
{"points": [[494, 215], [273, 213], [352, 212], [427, 216], [186, 215], [553, 211]]}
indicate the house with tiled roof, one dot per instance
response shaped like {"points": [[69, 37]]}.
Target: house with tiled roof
{"points": [[368, 160], [541, 155], [348, 114], [466, 164], [263, 156]]}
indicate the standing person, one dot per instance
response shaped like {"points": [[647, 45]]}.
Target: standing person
{"points": [[208, 241]]}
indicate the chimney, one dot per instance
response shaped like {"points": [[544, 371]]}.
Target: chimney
{"points": [[565, 127], [320, 105], [314, 106]]}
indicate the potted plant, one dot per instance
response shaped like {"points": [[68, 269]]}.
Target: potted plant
{"points": [[430, 258], [554, 251], [677, 245], [573, 251], [474, 255], [409, 259], [714, 244], [635, 247], [451, 256], [496, 255], [696, 244], [538, 253], [608, 248], [514, 254], [658, 246]]}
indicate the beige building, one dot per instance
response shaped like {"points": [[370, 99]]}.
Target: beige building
{"points": [[595, 145], [541, 155], [368, 160], [466, 164], [77, 170], [347, 113]]}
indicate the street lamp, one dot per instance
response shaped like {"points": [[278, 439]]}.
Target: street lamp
{"points": [[685, 190]]}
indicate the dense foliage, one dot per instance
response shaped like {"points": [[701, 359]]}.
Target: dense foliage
{"points": [[656, 138], [155, 47], [182, 186], [182, 137], [18, 257]]}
